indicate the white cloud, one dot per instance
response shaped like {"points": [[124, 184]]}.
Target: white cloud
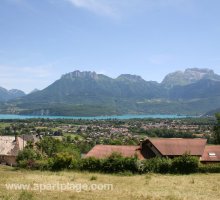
{"points": [[101, 7], [117, 8]]}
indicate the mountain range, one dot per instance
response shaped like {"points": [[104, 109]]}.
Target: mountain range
{"points": [[6, 95], [193, 92]]}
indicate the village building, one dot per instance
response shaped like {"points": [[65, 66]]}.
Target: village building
{"points": [[31, 138], [162, 147], [103, 151], [211, 154], [9, 148]]}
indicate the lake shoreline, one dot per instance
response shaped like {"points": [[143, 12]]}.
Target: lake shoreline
{"points": [[120, 117]]}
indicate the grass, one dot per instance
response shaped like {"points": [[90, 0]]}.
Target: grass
{"points": [[143, 187], [3, 125], [73, 135]]}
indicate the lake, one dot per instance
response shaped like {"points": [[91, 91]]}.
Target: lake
{"points": [[6, 116]]}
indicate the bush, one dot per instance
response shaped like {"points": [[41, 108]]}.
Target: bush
{"points": [[28, 154], [23, 164], [90, 164], [63, 160], [116, 163], [157, 165], [185, 164], [27, 158], [42, 165], [209, 168], [164, 165], [93, 178]]}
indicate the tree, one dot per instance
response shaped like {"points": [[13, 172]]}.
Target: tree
{"points": [[49, 145], [217, 129]]}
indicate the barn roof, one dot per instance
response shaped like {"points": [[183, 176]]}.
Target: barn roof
{"points": [[103, 151], [178, 146], [211, 153]]}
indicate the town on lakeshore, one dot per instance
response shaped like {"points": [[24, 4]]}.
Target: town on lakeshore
{"points": [[88, 135]]}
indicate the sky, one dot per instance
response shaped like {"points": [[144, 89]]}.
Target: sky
{"points": [[42, 39]]}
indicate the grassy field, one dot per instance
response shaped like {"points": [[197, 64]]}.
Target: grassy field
{"points": [[143, 187], [3, 125]]}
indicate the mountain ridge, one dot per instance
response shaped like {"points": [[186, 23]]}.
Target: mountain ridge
{"points": [[6, 95], [89, 94], [189, 76]]}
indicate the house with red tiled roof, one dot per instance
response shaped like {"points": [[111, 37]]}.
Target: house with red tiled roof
{"points": [[103, 151], [211, 154], [172, 147], [162, 147]]}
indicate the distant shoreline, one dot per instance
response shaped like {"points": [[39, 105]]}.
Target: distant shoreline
{"points": [[156, 116]]}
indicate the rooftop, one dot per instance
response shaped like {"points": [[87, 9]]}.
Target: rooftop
{"points": [[178, 146], [211, 153], [103, 151]]}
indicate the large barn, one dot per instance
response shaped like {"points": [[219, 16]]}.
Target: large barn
{"points": [[162, 147]]}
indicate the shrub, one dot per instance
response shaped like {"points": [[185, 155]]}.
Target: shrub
{"points": [[93, 178], [23, 163], [209, 168], [164, 165], [42, 164], [63, 160], [116, 163], [185, 164], [28, 154], [157, 165], [90, 164], [27, 158], [113, 164]]}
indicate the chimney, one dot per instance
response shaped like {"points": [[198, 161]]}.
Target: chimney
{"points": [[16, 139], [141, 142], [16, 145]]}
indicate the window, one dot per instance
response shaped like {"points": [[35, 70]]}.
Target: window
{"points": [[212, 154]]}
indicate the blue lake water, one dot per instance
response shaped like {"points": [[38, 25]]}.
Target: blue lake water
{"points": [[5, 116]]}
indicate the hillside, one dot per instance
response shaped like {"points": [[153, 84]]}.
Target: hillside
{"points": [[204, 88], [160, 187], [91, 94]]}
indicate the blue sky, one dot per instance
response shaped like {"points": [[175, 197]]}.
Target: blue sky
{"points": [[42, 39]]}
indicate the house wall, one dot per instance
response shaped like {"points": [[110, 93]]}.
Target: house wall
{"points": [[146, 151], [9, 160]]}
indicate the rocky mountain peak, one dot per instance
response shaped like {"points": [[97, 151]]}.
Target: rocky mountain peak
{"points": [[78, 74], [189, 76], [197, 74], [129, 77]]}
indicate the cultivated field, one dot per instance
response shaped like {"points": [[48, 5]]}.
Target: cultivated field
{"points": [[143, 187]]}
